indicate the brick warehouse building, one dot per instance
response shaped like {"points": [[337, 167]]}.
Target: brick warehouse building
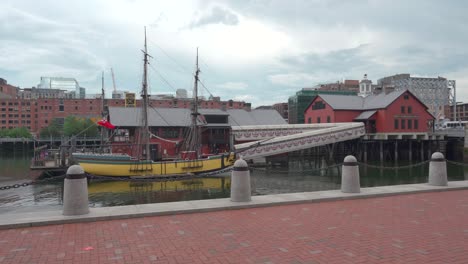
{"points": [[38, 112]]}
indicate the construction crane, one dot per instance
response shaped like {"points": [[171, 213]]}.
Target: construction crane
{"points": [[113, 80]]}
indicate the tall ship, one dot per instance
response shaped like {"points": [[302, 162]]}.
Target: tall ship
{"points": [[141, 163]]}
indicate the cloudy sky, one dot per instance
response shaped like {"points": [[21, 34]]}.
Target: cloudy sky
{"points": [[259, 51]]}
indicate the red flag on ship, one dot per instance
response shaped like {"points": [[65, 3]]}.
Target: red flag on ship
{"points": [[106, 124]]}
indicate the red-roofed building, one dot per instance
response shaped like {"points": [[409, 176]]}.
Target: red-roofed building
{"points": [[398, 112]]}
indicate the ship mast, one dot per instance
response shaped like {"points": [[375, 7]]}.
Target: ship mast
{"points": [[195, 140], [104, 111], [144, 95]]}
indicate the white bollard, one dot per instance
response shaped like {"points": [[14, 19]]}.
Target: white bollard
{"points": [[350, 176], [438, 170], [75, 192], [240, 182]]}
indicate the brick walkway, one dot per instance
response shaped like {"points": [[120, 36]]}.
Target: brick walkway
{"points": [[417, 228]]}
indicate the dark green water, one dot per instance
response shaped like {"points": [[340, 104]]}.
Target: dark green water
{"points": [[297, 177]]}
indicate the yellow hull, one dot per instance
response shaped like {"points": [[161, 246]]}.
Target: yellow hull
{"points": [[106, 166]]}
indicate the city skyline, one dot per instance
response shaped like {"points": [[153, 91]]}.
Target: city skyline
{"points": [[247, 49]]}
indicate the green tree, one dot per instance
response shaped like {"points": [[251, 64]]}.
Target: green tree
{"points": [[19, 132], [91, 129], [53, 130], [72, 126], [83, 127]]}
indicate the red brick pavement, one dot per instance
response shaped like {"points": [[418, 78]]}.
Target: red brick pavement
{"points": [[417, 228]]}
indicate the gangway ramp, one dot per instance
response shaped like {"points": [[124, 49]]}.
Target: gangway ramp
{"points": [[278, 139]]}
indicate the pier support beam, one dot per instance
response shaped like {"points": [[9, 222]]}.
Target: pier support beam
{"points": [[422, 150], [381, 151], [429, 149], [396, 151], [410, 145], [323, 165], [365, 152]]}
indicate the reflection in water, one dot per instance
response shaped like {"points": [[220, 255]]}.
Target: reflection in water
{"points": [[300, 176], [111, 193], [14, 161]]}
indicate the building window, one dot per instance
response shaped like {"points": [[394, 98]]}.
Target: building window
{"points": [[410, 123], [396, 123], [318, 105], [61, 108], [410, 110], [76, 107], [406, 97], [402, 109], [170, 133], [403, 124], [328, 119], [416, 124], [309, 120], [318, 120]]}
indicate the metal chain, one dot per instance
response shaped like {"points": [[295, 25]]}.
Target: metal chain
{"points": [[17, 185], [208, 174], [160, 178], [298, 171], [457, 163], [393, 168], [24, 184]]}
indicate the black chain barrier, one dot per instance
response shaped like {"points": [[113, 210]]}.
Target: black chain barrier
{"points": [[457, 163], [24, 184], [158, 178], [298, 171], [394, 167], [161, 178], [208, 174]]}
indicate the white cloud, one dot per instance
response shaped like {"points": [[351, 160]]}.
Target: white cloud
{"points": [[217, 15], [293, 79], [233, 86], [249, 44], [271, 46], [245, 98]]}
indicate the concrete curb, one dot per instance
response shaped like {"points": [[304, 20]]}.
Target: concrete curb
{"points": [[22, 220]]}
